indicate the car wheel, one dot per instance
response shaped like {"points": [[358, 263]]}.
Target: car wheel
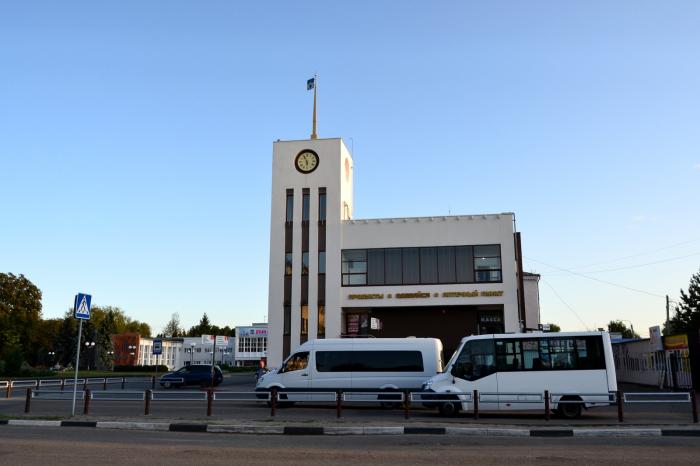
{"points": [[448, 409], [569, 410]]}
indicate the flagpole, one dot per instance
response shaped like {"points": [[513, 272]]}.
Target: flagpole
{"points": [[313, 132]]}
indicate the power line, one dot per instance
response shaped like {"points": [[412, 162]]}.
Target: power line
{"points": [[663, 248], [565, 303], [598, 279], [640, 265]]}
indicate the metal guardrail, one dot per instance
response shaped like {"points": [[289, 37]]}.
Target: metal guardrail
{"points": [[243, 396], [57, 395], [118, 395], [657, 397], [275, 397], [180, 395]]}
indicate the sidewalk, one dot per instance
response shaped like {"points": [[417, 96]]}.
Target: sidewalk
{"points": [[344, 427]]}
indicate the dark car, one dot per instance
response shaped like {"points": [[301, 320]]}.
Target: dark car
{"points": [[194, 374]]}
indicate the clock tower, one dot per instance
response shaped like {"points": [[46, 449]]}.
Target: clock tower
{"points": [[312, 193]]}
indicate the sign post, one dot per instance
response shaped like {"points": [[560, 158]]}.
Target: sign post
{"points": [[157, 350], [81, 308]]}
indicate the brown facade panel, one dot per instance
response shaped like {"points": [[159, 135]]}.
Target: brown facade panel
{"points": [[322, 289], [321, 236], [287, 289], [288, 234], [304, 289]]}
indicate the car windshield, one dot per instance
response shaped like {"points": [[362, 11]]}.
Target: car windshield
{"points": [[447, 366]]}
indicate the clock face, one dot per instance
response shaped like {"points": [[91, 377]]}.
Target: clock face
{"points": [[306, 161]]}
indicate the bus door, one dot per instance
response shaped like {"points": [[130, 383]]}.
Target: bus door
{"points": [[475, 368]]}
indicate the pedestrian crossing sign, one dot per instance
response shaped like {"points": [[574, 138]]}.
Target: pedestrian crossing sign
{"points": [[82, 306]]}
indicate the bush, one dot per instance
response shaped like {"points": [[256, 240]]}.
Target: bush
{"points": [[161, 368]]}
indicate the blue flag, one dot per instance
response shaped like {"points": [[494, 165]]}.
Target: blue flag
{"points": [[310, 83]]}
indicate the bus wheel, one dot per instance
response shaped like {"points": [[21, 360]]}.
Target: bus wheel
{"points": [[448, 409], [569, 410]]}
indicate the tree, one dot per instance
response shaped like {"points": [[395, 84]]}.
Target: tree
{"points": [[172, 328], [105, 329], [554, 328], [20, 315], [619, 327], [203, 328], [686, 317]]}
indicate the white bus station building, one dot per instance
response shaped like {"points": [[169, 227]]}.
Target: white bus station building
{"points": [[333, 275]]}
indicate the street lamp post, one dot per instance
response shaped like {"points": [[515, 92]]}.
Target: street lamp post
{"points": [[89, 345], [132, 352], [192, 345]]}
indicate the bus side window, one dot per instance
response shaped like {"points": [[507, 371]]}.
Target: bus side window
{"points": [[476, 360]]}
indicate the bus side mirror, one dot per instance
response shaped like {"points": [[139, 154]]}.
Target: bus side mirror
{"points": [[457, 371]]}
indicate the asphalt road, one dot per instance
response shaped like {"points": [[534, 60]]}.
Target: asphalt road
{"points": [[41, 446], [669, 414]]}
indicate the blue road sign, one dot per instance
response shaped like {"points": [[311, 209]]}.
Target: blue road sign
{"points": [[82, 306], [157, 346]]}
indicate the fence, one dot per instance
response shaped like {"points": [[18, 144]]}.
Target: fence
{"points": [[662, 369], [545, 401], [10, 385]]}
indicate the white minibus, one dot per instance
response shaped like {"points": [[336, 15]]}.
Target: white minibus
{"points": [[353, 364], [512, 372]]}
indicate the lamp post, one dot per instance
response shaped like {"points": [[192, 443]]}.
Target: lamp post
{"points": [[89, 345], [132, 352], [52, 357], [192, 345]]}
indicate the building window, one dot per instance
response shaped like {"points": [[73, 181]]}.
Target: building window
{"points": [[322, 262], [287, 320], [354, 267], [290, 205], [425, 266], [288, 263], [321, 204], [321, 320], [487, 263], [305, 263], [305, 205], [304, 319]]}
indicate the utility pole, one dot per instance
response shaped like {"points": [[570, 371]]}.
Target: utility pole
{"points": [[667, 330]]}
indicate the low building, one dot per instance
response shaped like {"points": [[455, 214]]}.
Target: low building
{"points": [[131, 349], [198, 350], [251, 345]]}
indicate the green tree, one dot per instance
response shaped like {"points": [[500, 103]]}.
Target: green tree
{"points": [[20, 315], [172, 328], [105, 329], [686, 317], [203, 328], [554, 328], [619, 327]]}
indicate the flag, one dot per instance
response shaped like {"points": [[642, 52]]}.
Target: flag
{"points": [[310, 83]]}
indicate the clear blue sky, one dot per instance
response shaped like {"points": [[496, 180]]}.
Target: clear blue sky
{"points": [[136, 141]]}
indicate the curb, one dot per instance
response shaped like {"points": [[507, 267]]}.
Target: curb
{"points": [[363, 430]]}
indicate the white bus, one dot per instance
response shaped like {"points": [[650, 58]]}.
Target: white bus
{"points": [[512, 371], [353, 364]]}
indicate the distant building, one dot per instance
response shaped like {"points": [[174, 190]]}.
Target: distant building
{"points": [[197, 351], [251, 345], [131, 349]]}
